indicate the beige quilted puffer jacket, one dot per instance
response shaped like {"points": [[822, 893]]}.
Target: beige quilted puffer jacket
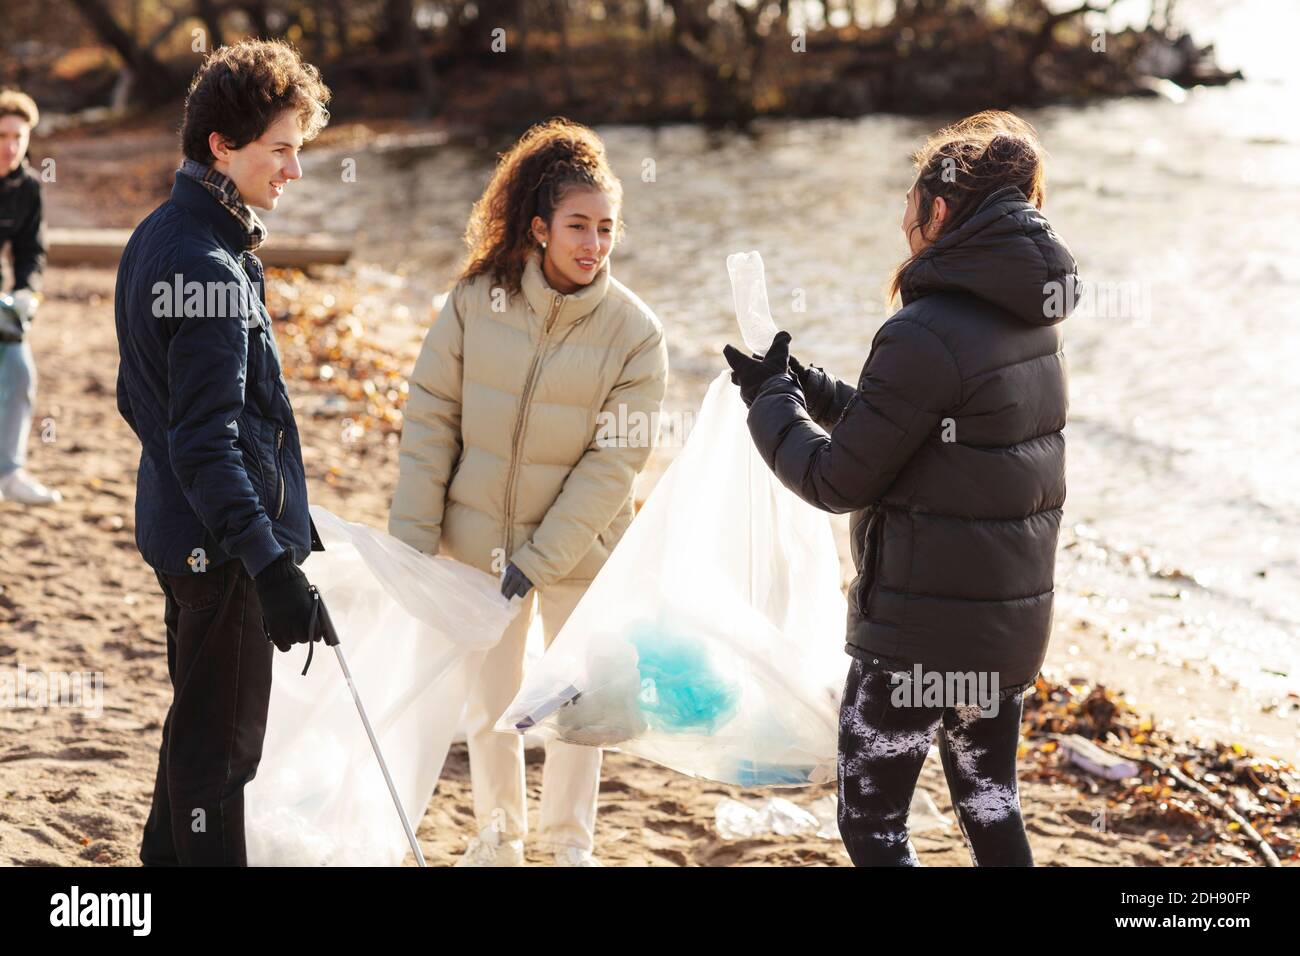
{"points": [[520, 438]]}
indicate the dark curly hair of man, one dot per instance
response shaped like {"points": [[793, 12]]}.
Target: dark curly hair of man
{"points": [[243, 88]]}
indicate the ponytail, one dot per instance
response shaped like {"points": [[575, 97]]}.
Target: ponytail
{"points": [[966, 163]]}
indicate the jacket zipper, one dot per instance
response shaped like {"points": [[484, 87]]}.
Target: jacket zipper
{"points": [[524, 398], [279, 469]]}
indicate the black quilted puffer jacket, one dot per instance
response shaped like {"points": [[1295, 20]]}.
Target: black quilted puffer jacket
{"points": [[949, 452]]}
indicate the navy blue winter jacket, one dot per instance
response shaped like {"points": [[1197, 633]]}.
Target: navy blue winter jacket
{"points": [[221, 473]]}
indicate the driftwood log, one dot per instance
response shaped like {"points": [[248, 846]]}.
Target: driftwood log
{"points": [[103, 247]]}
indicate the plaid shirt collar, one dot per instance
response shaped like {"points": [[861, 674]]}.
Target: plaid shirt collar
{"points": [[223, 188]]}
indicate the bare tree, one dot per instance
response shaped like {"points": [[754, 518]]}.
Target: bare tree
{"points": [[727, 51], [402, 15], [209, 11], [153, 81]]}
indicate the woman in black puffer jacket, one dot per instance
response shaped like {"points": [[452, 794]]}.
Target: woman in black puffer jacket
{"points": [[950, 455]]}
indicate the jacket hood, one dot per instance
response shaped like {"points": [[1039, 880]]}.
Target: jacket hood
{"points": [[1006, 254]]}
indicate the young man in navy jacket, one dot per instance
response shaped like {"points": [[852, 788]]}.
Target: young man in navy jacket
{"points": [[221, 493]]}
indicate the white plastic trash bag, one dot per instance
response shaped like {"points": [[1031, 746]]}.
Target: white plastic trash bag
{"points": [[406, 622], [711, 641]]}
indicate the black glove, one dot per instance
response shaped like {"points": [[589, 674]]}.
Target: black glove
{"points": [[818, 387], [289, 612], [751, 372], [514, 583]]}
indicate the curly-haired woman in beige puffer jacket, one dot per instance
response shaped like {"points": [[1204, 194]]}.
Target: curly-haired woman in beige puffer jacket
{"points": [[512, 459]]}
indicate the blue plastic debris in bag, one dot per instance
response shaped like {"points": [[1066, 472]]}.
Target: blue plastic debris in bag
{"points": [[680, 690]]}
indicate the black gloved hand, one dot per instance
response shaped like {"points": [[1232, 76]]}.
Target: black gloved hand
{"points": [[289, 612], [816, 384], [514, 583], [751, 372]]}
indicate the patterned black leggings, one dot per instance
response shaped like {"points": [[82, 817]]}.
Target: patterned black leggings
{"points": [[882, 748]]}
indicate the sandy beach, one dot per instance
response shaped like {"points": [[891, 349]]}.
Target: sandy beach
{"points": [[76, 597]]}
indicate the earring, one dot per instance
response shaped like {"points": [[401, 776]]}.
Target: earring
{"points": [[543, 245]]}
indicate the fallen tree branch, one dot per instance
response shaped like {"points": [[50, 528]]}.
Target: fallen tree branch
{"points": [[1270, 858]]}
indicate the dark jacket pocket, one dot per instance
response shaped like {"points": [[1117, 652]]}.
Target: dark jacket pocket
{"points": [[198, 590], [868, 558], [281, 487], [250, 444]]}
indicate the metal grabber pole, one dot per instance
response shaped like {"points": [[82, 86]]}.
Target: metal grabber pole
{"points": [[332, 640]]}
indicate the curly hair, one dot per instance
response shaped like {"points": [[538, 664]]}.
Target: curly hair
{"points": [[241, 89], [967, 162], [531, 179], [16, 103]]}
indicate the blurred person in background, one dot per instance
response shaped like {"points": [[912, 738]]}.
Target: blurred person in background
{"points": [[22, 228]]}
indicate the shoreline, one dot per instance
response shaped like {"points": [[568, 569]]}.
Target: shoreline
{"points": [[78, 598]]}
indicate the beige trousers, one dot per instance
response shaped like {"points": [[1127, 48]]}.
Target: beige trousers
{"points": [[571, 774]]}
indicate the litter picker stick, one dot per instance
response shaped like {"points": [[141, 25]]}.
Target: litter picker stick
{"points": [[332, 640]]}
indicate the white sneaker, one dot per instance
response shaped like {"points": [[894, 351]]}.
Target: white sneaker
{"points": [[488, 849], [23, 488], [572, 856]]}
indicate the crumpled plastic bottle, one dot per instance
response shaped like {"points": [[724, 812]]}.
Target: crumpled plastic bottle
{"points": [[749, 291], [740, 821], [735, 820]]}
